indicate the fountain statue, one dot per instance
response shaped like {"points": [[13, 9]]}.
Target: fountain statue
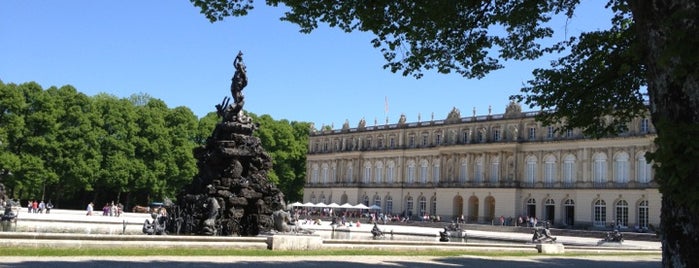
{"points": [[231, 194]]}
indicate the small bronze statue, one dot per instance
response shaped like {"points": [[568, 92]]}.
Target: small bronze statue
{"points": [[444, 235], [544, 235], [376, 232], [614, 236]]}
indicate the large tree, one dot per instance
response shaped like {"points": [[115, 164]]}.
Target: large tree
{"points": [[596, 86]]}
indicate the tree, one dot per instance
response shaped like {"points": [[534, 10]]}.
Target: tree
{"points": [[652, 45]]}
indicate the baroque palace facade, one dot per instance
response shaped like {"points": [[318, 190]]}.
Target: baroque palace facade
{"points": [[484, 167]]}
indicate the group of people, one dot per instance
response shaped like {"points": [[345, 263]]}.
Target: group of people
{"points": [[39, 207]]}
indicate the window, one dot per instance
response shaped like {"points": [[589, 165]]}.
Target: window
{"points": [[481, 137], [479, 170], [599, 169], [324, 176], [377, 200], [463, 171], [411, 172], [622, 213], [496, 134], [411, 141], [423, 172], [315, 174], [366, 201], [532, 133], [368, 143], [569, 133], [530, 173], [367, 173], [435, 173], [600, 213], [424, 140], [621, 166], [643, 169], [549, 170], [409, 205], [433, 206], [322, 198], [313, 198], [422, 206], [388, 208], [349, 172], [550, 130], [380, 144], [644, 125], [390, 172], [465, 136], [325, 147], [643, 214], [495, 170], [379, 172], [392, 142], [437, 139], [569, 170]]}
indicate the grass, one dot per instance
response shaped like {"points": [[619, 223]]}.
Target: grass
{"points": [[39, 252]]}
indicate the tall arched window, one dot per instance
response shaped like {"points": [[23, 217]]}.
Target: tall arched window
{"points": [[622, 213], [422, 206], [423, 171], [621, 167], [435, 172], [411, 172], [377, 200], [463, 171], [315, 174], [599, 169], [530, 171], [390, 172], [379, 172], [643, 214], [495, 170], [433, 206], [600, 213], [478, 174], [325, 173], [409, 206], [569, 170], [643, 169], [549, 170], [367, 173], [388, 208], [365, 200], [349, 172]]}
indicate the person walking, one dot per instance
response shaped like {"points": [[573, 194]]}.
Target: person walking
{"points": [[90, 206]]}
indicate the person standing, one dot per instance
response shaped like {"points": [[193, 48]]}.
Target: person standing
{"points": [[89, 209]]}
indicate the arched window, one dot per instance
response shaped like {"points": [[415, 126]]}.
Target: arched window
{"points": [[333, 173], [367, 173], [599, 169], [433, 206], [388, 208], [621, 167], [313, 198], [643, 214], [569, 170], [549, 170], [600, 213], [622, 213], [423, 171], [325, 174], [422, 206], [349, 172], [365, 200], [409, 206], [411, 172], [390, 170], [463, 171], [315, 174], [379, 172], [322, 198], [643, 169], [377, 200], [530, 171], [495, 170], [435, 172], [478, 174]]}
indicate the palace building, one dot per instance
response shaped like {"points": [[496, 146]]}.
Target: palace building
{"points": [[485, 167]]}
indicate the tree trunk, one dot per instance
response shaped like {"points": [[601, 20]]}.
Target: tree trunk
{"points": [[667, 32]]}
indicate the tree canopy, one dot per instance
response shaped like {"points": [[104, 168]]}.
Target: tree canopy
{"points": [[60, 145], [598, 84]]}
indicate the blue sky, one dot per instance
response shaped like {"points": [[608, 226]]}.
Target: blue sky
{"points": [[168, 50]]}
